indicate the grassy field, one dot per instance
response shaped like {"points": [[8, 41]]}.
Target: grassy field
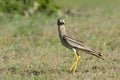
{"points": [[30, 48]]}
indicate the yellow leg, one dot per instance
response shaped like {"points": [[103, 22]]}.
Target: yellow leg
{"points": [[74, 65]]}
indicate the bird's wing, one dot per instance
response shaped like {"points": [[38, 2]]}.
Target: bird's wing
{"points": [[75, 43], [79, 45]]}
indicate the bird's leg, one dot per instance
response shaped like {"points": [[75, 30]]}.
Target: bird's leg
{"points": [[74, 65], [77, 59]]}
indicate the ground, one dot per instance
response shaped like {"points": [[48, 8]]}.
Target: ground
{"points": [[30, 48]]}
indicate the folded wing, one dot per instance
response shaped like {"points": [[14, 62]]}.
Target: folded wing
{"points": [[80, 46], [76, 43]]}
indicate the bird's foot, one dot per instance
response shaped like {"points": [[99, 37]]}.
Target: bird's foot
{"points": [[73, 67]]}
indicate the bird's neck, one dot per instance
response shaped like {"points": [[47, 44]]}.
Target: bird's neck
{"points": [[61, 29]]}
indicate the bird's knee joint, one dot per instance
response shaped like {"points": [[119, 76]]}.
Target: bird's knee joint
{"points": [[78, 57]]}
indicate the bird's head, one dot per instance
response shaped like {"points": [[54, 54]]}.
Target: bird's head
{"points": [[60, 21]]}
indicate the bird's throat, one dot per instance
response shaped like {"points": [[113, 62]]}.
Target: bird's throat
{"points": [[62, 30]]}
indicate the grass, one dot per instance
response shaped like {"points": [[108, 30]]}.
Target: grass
{"points": [[30, 48]]}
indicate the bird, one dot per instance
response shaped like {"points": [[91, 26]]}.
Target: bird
{"points": [[74, 44]]}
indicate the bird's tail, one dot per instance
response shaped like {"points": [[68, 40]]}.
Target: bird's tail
{"points": [[97, 54]]}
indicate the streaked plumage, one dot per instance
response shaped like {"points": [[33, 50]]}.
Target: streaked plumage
{"points": [[74, 44]]}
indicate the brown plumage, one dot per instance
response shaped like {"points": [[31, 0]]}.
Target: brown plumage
{"points": [[74, 44], [78, 45]]}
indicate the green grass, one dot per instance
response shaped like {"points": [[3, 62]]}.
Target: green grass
{"points": [[30, 48]]}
